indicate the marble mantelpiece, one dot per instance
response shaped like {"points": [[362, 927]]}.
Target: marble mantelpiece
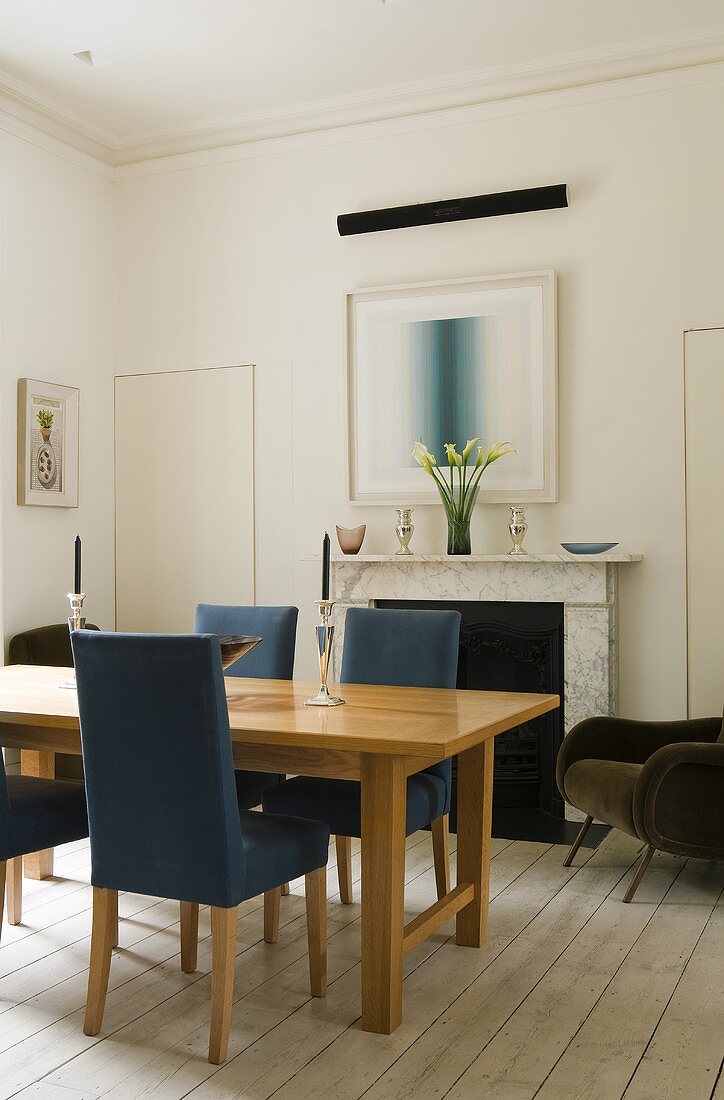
{"points": [[586, 585]]}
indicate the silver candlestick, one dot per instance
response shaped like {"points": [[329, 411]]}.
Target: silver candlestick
{"points": [[517, 528], [324, 634], [76, 621]]}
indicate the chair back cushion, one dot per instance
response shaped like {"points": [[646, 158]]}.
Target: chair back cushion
{"points": [[44, 645], [162, 806], [273, 658], [404, 648]]}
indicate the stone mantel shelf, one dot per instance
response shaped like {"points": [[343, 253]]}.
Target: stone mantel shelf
{"points": [[522, 559]]}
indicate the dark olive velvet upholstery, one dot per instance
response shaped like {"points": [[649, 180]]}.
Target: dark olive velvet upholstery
{"points": [[162, 805], [272, 659], [384, 646], [661, 782], [38, 813], [44, 645]]}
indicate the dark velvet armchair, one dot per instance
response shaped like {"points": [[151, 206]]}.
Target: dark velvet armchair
{"points": [[660, 782]]}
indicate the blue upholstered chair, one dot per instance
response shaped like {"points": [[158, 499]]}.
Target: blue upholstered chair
{"points": [[34, 814], [163, 813], [272, 659], [404, 648]]}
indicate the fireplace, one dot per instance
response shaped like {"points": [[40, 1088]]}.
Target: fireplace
{"points": [[514, 647]]}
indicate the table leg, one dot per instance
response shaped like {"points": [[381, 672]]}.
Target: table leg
{"points": [[475, 818], [42, 764], [384, 798]]}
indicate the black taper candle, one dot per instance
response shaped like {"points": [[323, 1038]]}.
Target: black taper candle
{"points": [[325, 567], [77, 577]]}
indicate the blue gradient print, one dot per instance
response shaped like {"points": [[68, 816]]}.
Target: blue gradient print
{"points": [[447, 380]]}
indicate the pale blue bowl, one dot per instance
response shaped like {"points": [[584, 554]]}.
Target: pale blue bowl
{"points": [[588, 547]]}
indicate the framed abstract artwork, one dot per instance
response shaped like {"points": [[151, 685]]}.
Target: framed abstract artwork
{"points": [[446, 362], [47, 443]]}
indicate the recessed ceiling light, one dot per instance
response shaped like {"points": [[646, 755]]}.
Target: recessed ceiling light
{"points": [[93, 60]]}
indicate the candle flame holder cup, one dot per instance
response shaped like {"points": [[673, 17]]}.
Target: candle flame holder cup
{"points": [[324, 635], [76, 621]]}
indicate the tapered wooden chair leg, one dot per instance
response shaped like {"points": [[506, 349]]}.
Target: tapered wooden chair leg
{"points": [[315, 889], [440, 828], [189, 936], [272, 902], [104, 908], [578, 841], [223, 962], [640, 872], [15, 890], [344, 868]]}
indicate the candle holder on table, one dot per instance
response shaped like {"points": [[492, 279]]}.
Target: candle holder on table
{"points": [[76, 621], [324, 634]]}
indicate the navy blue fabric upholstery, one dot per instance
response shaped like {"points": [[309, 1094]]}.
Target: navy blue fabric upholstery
{"points": [[384, 646], [162, 805], [39, 813], [272, 659]]}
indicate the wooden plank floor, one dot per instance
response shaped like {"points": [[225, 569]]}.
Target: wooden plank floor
{"points": [[574, 995]]}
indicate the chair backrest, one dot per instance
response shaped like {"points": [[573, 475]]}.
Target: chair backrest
{"points": [[162, 804], [404, 648], [5, 831], [273, 658], [44, 645]]}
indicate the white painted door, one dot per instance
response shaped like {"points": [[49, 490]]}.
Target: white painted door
{"points": [[184, 495], [704, 397]]}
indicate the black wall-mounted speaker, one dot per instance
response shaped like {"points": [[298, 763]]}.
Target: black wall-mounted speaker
{"points": [[454, 210]]}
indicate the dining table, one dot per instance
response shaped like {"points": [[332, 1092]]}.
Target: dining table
{"points": [[380, 736]]}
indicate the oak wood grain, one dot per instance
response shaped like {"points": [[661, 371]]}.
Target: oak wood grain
{"points": [[223, 959], [38, 865], [475, 814]]}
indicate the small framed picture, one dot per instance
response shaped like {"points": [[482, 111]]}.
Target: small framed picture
{"points": [[47, 443]]}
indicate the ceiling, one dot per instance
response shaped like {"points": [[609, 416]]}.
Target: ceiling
{"points": [[177, 66]]}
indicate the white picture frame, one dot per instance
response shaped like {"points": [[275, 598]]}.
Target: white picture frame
{"points": [[506, 326], [47, 447]]}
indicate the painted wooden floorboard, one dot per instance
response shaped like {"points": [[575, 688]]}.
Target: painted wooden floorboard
{"points": [[575, 994]]}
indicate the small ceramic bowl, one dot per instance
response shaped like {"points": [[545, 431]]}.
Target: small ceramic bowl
{"points": [[350, 539], [234, 646], [588, 547]]}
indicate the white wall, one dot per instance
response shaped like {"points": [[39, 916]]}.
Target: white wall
{"points": [[56, 324], [241, 261]]}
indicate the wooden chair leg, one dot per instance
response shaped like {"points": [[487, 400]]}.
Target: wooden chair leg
{"points": [[440, 828], [315, 889], [223, 962], [3, 876], [114, 919], [272, 903], [285, 889], [578, 841], [189, 936], [104, 907], [344, 867], [640, 872], [15, 890]]}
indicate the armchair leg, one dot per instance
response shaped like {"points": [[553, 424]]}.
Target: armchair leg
{"points": [[344, 868], [104, 907], [578, 841], [441, 853], [223, 963], [189, 936], [315, 889], [640, 872], [15, 890], [272, 903]]}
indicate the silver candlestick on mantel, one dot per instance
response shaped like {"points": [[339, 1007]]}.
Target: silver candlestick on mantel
{"points": [[517, 528], [324, 634], [76, 621], [404, 530]]}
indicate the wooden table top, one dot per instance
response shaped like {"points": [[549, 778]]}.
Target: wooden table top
{"points": [[426, 722]]}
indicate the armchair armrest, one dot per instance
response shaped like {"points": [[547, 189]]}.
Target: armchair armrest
{"points": [[679, 799], [628, 741]]}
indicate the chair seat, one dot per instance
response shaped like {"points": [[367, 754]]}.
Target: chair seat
{"points": [[43, 814], [337, 801], [605, 790], [251, 785], [278, 849]]}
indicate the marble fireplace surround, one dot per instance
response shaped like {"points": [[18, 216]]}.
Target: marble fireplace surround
{"points": [[586, 585]]}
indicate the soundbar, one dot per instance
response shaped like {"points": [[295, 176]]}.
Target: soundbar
{"points": [[454, 210]]}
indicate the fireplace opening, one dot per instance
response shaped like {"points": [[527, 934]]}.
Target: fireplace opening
{"points": [[507, 646]]}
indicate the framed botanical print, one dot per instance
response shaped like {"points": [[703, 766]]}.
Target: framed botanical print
{"points": [[446, 362], [47, 443]]}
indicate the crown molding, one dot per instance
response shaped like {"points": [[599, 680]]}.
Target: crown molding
{"points": [[403, 105]]}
